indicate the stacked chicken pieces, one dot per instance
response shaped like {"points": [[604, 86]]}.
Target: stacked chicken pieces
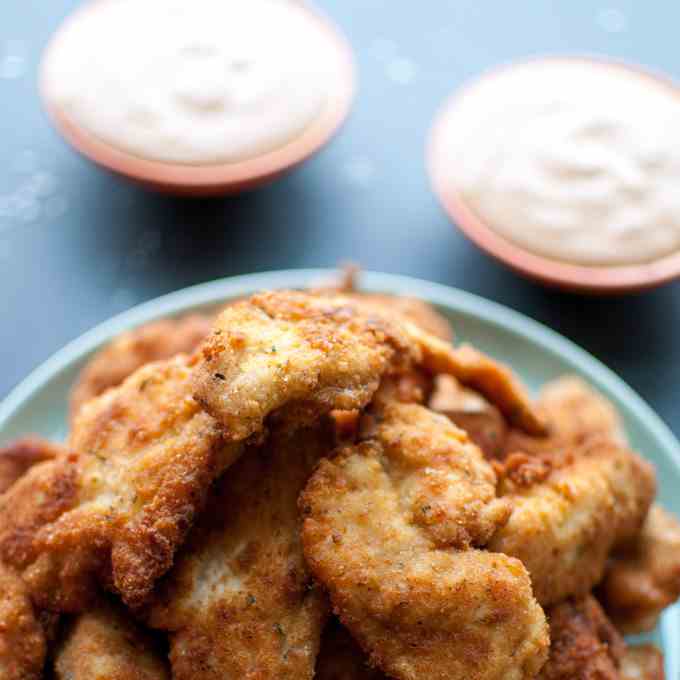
{"points": [[321, 484]]}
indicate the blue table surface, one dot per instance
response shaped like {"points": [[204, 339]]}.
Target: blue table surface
{"points": [[78, 245]]}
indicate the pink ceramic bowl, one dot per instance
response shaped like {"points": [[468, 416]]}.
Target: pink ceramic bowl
{"points": [[586, 279], [228, 178]]}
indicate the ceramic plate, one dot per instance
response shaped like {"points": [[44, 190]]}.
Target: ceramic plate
{"points": [[39, 403]]}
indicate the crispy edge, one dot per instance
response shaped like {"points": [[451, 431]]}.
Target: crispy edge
{"points": [[119, 359], [643, 575], [570, 511], [24, 632], [106, 644], [467, 409], [574, 412], [584, 643], [20, 455], [22, 640]]}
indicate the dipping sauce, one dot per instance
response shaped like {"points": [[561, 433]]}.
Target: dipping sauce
{"points": [[574, 160], [194, 82]]}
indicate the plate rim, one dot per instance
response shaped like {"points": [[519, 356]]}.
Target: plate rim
{"points": [[212, 292]]}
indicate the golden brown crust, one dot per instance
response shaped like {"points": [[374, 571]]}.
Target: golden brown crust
{"points": [[106, 644], [584, 645], [240, 602], [467, 409], [300, 355], [381, 522], [22, 641], [119, 359], [569, 511], [38, 496], [116, 512], [643, 576], [340, 658], [295, 354], [20, 455], [575, 412], [642, 662], [492, 379], [37, 499]]}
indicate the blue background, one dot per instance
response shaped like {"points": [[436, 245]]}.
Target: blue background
{"points": [[77, 245]]}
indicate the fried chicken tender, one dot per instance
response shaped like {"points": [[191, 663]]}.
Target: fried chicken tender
{"points": [[584, 645], [23, 631], [574, 412], [240, 602], [340, 658], [483, 422], [294, 352], [569, 511], [22, 639], [298, 355], [642, 662], [643, 576], [389, 530], [154, 341], [20, 455], [117, 511], [106, 644]]}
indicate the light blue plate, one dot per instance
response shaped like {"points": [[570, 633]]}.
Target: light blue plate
{"points": [[39, 403]]}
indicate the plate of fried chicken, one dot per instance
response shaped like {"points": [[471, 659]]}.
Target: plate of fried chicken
{"points": [[296, 475]]}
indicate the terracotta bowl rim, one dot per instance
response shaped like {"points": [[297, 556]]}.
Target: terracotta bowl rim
{"points": [[219, 177], [584, 278]]}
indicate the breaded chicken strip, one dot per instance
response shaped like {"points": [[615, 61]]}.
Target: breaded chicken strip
{"points": [[643, 576], [154, 341], [483, 422], [584, 645], [34, 501], [117, 510], [22, 639], [240, 602], [340, 658], [574, 412], [106, 644], [389, 530], [305, 353], [23, 631], [20, 455], [570, 510], [301, 355], [642, 662]]}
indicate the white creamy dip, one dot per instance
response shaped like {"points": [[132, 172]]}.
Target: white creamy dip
{"points": [[191, 81], [574, 160]]}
